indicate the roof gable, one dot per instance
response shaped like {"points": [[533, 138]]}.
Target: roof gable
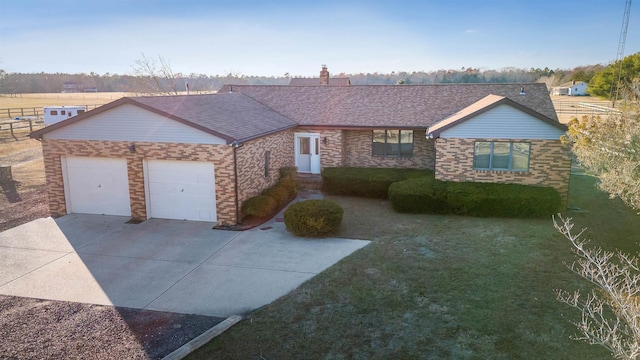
{"points": [[128, 122], [232, 117], [497, 117]]}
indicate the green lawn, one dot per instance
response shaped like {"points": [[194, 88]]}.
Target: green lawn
{"points": [[436, 287]]}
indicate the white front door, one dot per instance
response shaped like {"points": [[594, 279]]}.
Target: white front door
{"points": [[181, 190], [95, 185], [307, 148]]}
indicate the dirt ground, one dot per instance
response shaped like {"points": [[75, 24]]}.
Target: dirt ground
{"points": [[44, 329], [25, 198]]}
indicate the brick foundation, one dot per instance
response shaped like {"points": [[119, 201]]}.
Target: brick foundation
{"points": [[549, 165]]}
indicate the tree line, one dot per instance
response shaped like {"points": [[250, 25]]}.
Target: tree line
{"points": [[156, 76], [140, 80]]}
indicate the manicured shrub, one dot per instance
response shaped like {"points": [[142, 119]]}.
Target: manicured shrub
{"points": [[313, 217], [259, 206], [431, 196], [502, 200], [290, 185], [424, 195], [288, 172], [366, 182], [279, 193]]}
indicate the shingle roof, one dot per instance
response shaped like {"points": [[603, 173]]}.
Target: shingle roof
{"points": [[482, 105], [229, 116], [335, 81], [398, 106]]}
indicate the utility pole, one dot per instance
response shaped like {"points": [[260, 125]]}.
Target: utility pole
{"points": [[620, 55]]}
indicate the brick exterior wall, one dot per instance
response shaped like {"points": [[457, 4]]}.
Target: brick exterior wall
{"points": [[220, 155], [549, 165], [251, 163], [332, 152], [359, 152]]}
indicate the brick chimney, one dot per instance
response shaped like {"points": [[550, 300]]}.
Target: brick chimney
{"points": [[324, 75]]}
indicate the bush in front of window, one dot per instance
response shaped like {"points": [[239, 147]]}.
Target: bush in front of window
{"points": [[313, 217], [424, 195], [366, 182], [430, 196]]}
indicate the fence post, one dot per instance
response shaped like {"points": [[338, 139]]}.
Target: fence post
{"points": [[11, 128], [30, 126]]}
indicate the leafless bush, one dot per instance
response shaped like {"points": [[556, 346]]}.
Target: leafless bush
{"points": [[611, 312]]}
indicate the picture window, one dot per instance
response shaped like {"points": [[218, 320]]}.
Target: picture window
{"points": [[397, 143], [505, 156]]}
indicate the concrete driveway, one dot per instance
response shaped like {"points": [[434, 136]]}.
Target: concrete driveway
{"points": [[165, 265]]}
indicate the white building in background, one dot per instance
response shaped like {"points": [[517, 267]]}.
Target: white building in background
{"points": [[571, 88], [54, 114]]}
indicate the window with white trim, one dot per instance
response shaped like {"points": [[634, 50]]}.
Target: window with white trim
{"points": [[393, 143], [501, 155]]}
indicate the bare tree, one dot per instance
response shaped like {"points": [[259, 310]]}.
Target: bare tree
{"points": [[155, 77], [611, 312]]}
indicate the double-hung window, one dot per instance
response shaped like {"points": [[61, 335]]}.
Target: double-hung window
{"points": [[393, 143], [499, 155]]}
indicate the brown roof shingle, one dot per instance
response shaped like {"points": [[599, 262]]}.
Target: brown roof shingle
{"points": [[335, 81], [398, 106]]}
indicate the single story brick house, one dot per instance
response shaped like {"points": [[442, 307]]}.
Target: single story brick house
{"points": [[198, 157]]}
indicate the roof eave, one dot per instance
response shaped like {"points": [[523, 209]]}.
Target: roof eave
{"points": [[267, 133], [360, 127], [504, 101]]}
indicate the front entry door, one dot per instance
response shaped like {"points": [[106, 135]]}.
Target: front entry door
{"points": [[307, 147]]}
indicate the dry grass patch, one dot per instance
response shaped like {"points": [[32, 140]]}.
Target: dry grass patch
{"points": [[24, 199], [569, 107]]}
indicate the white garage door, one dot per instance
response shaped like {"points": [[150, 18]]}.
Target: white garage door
{"points": [[96, 185], [183, 190]]}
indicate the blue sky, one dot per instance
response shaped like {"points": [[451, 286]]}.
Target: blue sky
{"points": [[275, 37]]}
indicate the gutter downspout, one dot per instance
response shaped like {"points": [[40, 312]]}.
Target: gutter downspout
{"points": [[235, 144]]}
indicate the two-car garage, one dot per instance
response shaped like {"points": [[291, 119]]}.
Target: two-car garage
{"points": [[183, 190]]}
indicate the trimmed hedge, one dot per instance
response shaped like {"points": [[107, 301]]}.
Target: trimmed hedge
{"points": [[288, 172], [290, 185], [259, 206], [420, 196], [431, 196], [366, 182], [273, 198], [279, 193], [313, 217]]}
